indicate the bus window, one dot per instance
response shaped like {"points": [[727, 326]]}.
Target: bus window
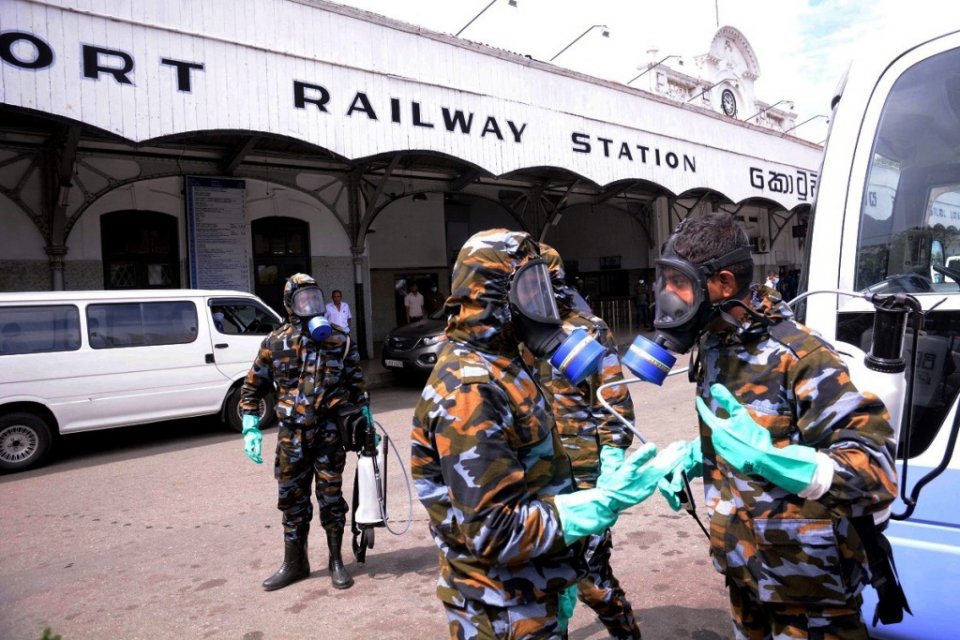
{"points": [[910, 217], [909, 230]]}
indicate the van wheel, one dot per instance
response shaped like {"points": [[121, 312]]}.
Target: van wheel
{"points": [[25, 440], [234, 419]]}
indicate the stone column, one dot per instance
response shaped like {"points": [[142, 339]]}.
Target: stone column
{"points": [[55, 253]]}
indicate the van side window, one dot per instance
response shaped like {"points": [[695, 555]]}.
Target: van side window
{"points": [[39, 329], [141, 324], [240, 317]]}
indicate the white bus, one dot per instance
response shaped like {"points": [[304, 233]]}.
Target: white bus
{"points": [[889, 207]]}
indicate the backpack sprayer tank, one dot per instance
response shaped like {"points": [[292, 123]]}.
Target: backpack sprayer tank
{"points": [[369, 508], [371, 483]]}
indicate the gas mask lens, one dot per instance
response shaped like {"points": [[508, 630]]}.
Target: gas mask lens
{"points": [[683, 307], [308, 301], [537, 322], [532, 293], [308, 306], [678, 295]]}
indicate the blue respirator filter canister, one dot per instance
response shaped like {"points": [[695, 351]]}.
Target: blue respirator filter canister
{"points": [[319, 328], [648, 361], [578, 356]]}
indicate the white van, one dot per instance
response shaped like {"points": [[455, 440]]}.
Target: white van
{"points": [[83, 360]]}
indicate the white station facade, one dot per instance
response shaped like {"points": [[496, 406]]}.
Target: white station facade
{"points": [[229, 143]]}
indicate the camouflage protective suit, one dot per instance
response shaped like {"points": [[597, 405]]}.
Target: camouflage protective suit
{"points": [[584, 426], [311, 380], [487, 461], [795, 567]]}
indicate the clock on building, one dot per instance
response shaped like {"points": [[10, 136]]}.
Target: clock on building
{"points": [[728, 103]]}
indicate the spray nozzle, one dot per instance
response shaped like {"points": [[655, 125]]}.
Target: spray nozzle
{"points": [[371, 440]]}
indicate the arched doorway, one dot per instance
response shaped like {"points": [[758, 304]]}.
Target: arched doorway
{"points": [[281, 248], [140, 249]]}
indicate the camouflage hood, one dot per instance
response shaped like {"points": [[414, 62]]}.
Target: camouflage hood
{"points": [[294, 282], [558, 278], [481, 281]]}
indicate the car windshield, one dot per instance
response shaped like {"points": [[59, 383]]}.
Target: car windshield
{"points": [[439, 314]]}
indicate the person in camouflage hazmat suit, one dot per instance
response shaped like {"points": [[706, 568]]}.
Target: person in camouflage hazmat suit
{"points": [[595, 441], [801, 453], [488, 465], [312, 380]]}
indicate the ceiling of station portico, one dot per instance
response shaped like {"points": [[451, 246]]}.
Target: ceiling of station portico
{"points": [[417, 170]]}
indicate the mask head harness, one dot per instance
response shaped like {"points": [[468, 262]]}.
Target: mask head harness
{"points": [[307, 304], [536, 319]]}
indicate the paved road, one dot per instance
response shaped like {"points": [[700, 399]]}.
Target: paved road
{"points": [[166, 531]]}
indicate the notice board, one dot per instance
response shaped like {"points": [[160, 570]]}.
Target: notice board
{"points": [[218, 234]]}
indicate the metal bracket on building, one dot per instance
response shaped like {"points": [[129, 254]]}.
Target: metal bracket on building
{"points": [[779, 221], [63, 154], [554, 215], [31, 164], [233, 160], [643, 214], [532, 208], [464, 180]]}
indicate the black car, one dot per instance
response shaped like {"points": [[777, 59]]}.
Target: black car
{"points": [[414, 347]]}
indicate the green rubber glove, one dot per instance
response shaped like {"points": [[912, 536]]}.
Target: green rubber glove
{"points": [[591, 511], [747, 447], [252, 438], [671, 485], [611, 459], [568, 602]]}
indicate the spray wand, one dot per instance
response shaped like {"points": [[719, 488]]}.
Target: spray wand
{"points": [[650, 362]]}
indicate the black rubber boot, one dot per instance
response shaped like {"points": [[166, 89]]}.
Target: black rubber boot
{"points": [[338, 573], [295, 566]]}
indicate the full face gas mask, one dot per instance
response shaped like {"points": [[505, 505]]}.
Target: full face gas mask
{"points": [[537, 323], [308, 305], [684, 311]]}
